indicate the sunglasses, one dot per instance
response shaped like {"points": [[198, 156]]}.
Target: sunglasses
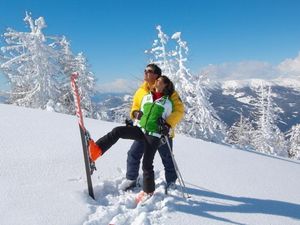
{"points": [[148, 71]]}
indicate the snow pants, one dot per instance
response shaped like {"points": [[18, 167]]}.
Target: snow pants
{"points": [[150, 143], [135, 154]]}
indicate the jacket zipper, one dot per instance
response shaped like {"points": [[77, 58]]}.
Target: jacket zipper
{"points": [[153, 103], [149, 115]]}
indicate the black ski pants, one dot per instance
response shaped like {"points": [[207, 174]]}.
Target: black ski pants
{"points": [[135, 155], [151, 144]]}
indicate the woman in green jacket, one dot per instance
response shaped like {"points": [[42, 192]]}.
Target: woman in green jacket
{"points": [[154, 106]]}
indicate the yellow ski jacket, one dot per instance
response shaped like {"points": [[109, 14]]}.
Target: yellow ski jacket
{"points": [[178, 108]]}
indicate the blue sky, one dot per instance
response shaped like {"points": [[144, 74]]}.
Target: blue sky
{"points": [[113, 34]]}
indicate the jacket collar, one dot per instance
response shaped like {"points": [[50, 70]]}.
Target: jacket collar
{"points": [[146, 86]]}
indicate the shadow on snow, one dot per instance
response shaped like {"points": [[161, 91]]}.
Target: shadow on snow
{"points": [[240, 205]]}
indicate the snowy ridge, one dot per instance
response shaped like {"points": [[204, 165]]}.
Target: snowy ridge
{"points": [[42, 178], [288, 82], [237, 84], [255, 83]]}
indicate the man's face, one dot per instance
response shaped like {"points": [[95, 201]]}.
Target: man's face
{"points": [[149, 75]]}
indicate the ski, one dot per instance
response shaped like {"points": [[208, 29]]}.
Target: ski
{"points": [[145, 201], [142, 198], [85, 136]]}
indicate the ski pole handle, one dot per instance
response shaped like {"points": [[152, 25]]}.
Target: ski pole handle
{"points": [[137, 116]]}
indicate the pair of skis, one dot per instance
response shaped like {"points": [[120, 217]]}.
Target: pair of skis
{"points": [[85, 136]]}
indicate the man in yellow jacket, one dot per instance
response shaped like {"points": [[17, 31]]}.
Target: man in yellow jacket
{"points": [[134, 155]]}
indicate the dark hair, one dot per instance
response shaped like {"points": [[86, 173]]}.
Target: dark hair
{"points": [[155, 68], [169, 89]]}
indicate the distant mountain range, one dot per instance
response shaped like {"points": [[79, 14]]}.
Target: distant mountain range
{"points": [[112, 106], [229, 99]]}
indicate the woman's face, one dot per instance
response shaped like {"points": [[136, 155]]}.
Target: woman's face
{"points": [[160, 85]]}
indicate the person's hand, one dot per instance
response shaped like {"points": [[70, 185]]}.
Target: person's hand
{"points": [[129, 123], [137, 114], [164, 127]]}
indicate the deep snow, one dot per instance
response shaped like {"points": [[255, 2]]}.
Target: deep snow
{"points": [[42, 179]]}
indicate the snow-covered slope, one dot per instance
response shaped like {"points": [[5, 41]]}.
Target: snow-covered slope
{"points": [[42, 179]]}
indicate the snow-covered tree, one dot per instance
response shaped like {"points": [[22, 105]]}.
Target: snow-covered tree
{"points": [[86, 83], [294, 142], [240, 133], [200, 119], [38, 68], [86, 80], [162, 56], [267, 137], [30, 65], [64, 103]]}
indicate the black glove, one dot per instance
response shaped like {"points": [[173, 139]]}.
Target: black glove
{"points": [[137, 114], [129, 123], [164, 127]]}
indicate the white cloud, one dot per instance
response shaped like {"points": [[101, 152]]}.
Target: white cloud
{"points": [[241, 70], [290, 67], [118, 86], [244, 70]]}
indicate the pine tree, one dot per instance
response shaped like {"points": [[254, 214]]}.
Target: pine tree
{"points": [[206, 124], [294, 142], [86, 81], [30, 65], [267, 137], [240, 133], [162, 56], [201, 120], [66, 59], [39, 67]]}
